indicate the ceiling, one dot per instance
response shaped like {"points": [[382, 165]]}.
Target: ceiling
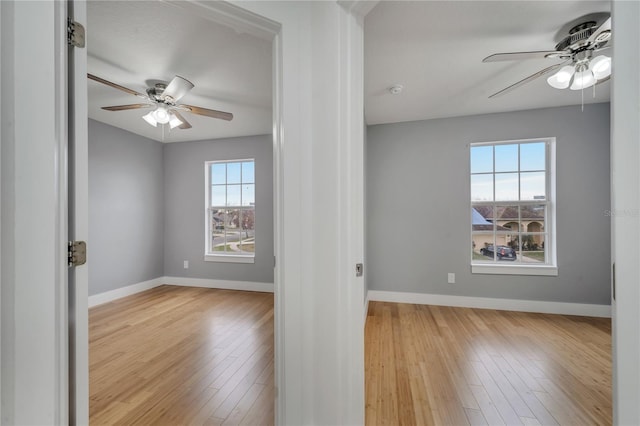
{"points": [[134, 43], [435, 50]]}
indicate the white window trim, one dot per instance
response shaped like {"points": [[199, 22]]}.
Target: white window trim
{"points": [[230, 258], [547, 269], [222, 257]]}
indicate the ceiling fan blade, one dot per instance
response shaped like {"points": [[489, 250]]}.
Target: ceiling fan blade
{"points": [[116, 86], [126, 107], [208, 112], [602, 32], [602, 80], [185, 124], [177, 88], [532, 77], [518, 56]]}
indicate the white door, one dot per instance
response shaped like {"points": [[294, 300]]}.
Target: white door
{"points": [[78, 225]]}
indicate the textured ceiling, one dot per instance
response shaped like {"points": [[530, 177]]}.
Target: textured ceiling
{"points": [[135, 43], [435, 50]]}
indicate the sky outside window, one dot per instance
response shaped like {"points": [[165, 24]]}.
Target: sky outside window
{"points": [[510, 171]]}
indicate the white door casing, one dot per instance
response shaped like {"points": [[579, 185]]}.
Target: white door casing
{"points": [[625, 208], [34, 131], [318, 131]]}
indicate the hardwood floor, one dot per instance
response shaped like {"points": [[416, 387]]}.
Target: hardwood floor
{"points": [[457, 366], [181, 355]]}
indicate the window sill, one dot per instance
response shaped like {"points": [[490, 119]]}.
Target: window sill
{"points": [[540, 270], [229, 258]]}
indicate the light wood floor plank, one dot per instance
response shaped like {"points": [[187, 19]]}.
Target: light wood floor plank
{"points": [[182, 356], [455, 366]]}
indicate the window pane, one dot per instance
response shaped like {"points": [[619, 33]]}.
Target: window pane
{"points": [[248, 172], [532, 156], [506, 186], [232, 231], [482, 218], [533, 218], [481, 244], [506, 158], [249, 195], [233, 172], [217, 229], [506, 247], [218, 195], [232, 219], [218, 173], [533, 250], [233, 195], [507, 219], [481, 159], [532, 186], [482, 187], [248, 231]]}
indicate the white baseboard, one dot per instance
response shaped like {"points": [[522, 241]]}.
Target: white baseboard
{"points": [[222, 284], [366, 306], [581, 309], [108, 296]]}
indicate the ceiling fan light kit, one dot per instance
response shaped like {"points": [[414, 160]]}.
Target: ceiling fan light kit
{"points": [[174, 121], [579, 70], [582, 74], [164, 98], [601, 67], [562, 78], [149, 118]]}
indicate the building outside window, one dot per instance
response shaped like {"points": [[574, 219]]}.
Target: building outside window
{"points": [[230, 211], [513, 207]]}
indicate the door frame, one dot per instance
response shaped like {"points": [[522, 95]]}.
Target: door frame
{"points": [[40, 344], [39, 397]]}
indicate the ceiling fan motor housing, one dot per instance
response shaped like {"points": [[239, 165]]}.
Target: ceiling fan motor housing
{"points": [[156, 92], [577, 37]]}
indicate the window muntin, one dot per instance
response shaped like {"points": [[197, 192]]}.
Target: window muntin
{"points": [[230, 208], [511, 209]]}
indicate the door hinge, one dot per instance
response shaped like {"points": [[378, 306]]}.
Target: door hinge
{"points": [[75, 33], [77, 253]]}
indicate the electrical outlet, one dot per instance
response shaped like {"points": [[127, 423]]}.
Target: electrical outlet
{"points": [[186, 264], [451, 278]]}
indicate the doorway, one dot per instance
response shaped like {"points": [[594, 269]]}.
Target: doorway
{"points": [[146, 182]]}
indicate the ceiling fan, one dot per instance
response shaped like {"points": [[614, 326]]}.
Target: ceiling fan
{"points": [[579, 68], [163, 98]]}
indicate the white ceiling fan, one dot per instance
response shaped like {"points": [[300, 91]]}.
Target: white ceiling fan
{"points": [[163, 98], [577, 48]]}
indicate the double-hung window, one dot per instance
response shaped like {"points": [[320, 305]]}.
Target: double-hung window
{"points": [[230, 211], [513, 207]]}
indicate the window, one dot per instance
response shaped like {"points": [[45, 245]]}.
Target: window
{"points": [[230, 211], [512, 207]]}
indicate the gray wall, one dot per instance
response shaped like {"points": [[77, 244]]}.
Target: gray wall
{"points": [[418, 204], [126, 208], [184, 208]]}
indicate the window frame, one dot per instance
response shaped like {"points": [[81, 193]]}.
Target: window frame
{"points": [[209, 254], [550, 267]]}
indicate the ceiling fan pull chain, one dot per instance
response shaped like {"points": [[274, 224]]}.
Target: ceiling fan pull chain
{"points": [[582, 100]]}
